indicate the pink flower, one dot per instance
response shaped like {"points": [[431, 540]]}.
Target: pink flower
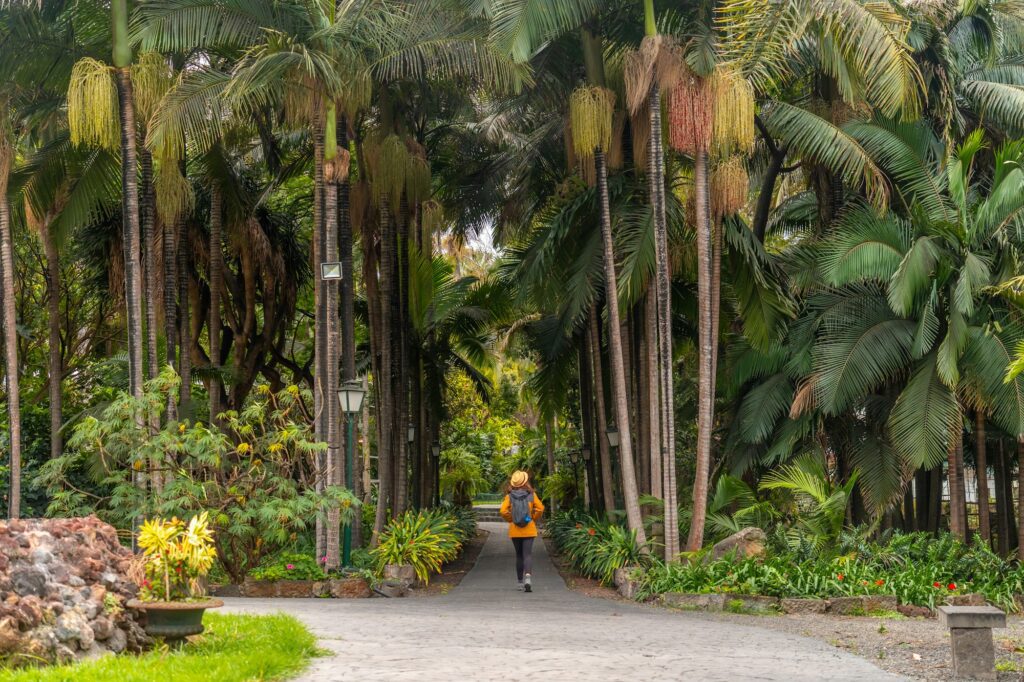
{"points": [[290, 567], [323, 559]]}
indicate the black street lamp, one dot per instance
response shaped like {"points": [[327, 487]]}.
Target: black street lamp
{"points": [[613, 435], [350, 395]]}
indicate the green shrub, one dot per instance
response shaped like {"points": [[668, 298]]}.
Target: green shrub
{"points": [[425, 540], [596, 548], [289, 566]]}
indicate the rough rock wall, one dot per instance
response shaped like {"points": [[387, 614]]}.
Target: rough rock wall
{"points": [[63, 589]]}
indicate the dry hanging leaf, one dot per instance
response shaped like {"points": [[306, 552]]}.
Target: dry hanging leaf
{"points": [[590, 114], [730, 187], [691, 115]]}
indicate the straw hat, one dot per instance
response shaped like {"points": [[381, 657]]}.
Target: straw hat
{"points": [[520, 479]]}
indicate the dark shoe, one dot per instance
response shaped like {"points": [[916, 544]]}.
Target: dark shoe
{"points": [[527, 584]]}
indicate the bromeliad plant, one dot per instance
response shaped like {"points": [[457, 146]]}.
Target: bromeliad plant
{"points": [[176, 557], [425, 540]]}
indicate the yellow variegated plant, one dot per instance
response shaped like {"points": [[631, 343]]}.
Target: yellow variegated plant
{"points": [[177, 555]]}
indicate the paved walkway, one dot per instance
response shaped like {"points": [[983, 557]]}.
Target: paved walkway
{"points": [[486, 629]]}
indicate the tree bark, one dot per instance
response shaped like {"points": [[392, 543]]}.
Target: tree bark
{"points": [[10, 336], [981, 465], [131, 238], [617, 363], [607, 491], [1020, 499], [1002, 513], [587, 419], [216, 285], [706, 388], [171, 310], [329, 291], [184, 322], [663, 290], [957, 495], [934, 499], [56, 350]]}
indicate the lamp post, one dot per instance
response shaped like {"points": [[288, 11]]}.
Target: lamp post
{"points": [[435, 450], [350, 395]]}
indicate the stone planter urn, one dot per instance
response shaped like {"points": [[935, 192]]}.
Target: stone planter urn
{"points": [[174, 621], [401, 572]]}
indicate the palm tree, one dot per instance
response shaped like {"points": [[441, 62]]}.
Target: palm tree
{"points": [[10, 318]]}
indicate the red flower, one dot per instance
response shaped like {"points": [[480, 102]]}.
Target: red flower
{"points": [[591, 531], [952, 586], [936, 584], [578, 526], [863, 582], [839, 577], [879, 582], [290, 567]]}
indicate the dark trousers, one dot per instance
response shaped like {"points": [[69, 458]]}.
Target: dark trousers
{"points": [[524, 556]]}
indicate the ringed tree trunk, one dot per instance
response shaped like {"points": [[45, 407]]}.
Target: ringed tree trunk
{"points": [[332, 172], [981, 466], [607, 491], [216, 277], [56, 354], [629, 489], [1020, 499], [955, 474], [147, 215], [171, 309], [184, 321], [705, 401], [10, 331]]}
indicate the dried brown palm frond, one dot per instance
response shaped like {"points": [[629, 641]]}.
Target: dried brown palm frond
{"points": [[640, 127], [733, 131], [691, 115], [590, 114], [638, 76], [336, 169], [669, 61], [387, 165], [730, 187], [93, 117]]}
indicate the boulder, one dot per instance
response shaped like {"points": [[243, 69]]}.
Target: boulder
{"points": [[747, 543]]}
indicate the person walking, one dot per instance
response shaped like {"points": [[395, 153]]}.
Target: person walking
{"points": [[522, 509]]}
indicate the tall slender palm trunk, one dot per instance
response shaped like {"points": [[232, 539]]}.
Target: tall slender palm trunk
{"points": [[216, 284], [171, 310], [184, 321], [617, 363], [605, 458], [147, 213], [329, 290], [981, 469], [663, 293], [56, 351], [10, 335], [957, 494], [705, 401]]}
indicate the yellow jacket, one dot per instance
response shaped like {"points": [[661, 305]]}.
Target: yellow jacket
{"points": [[529, 530]]}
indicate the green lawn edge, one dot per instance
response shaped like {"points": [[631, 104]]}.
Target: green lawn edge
{"points": [[234, 648]]}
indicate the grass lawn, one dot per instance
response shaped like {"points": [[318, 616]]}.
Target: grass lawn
{"points": [[233, 649]]}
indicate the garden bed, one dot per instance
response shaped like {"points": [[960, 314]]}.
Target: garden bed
{"points": [[234, 648], [453, 572]]}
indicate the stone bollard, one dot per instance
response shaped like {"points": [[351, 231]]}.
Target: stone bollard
{"points": [[970, 630]]}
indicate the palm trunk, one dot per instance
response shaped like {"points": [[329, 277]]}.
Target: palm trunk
{"points": [[617, 362], [549, 452], [348, 335], [171, 310], [663, 290], [216, 277], [587, 418], [981, 466], [56, 354], [654, 381], [957, 501], [319, 339], [329, 291], [607, 492], [1002, 516], [148, 218], [1020, 499], [10, 336], [705, 406], [184, 322], [384, 384], [131, 238]]}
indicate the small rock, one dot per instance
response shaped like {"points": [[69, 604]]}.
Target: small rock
{"points": [[86, 638], [63, 654], [41, 556], [75, 581], [102, 628], [911, 611], [118, 641], [29, 580], [30, 612], [69, 626]]}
